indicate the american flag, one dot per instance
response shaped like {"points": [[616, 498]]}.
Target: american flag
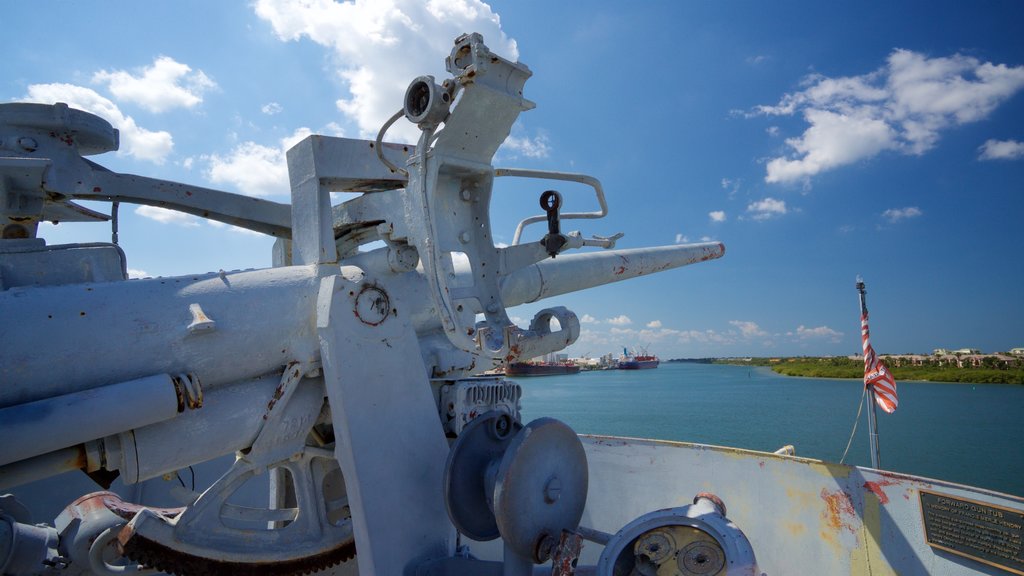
{"points": [[876, 375]]}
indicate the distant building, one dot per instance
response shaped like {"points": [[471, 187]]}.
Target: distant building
{"points": [[941, 352], [967, 351], [1017, 351]]}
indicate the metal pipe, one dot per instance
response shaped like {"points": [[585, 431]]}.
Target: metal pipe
{"points": [[42, 426], [85, 336], [573, 272], [870, 397], [42, 466]]}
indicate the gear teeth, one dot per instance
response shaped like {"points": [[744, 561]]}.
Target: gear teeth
{"points": [[155, 555]]}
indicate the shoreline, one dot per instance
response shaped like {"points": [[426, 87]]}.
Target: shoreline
{"points": [[844, 368]]}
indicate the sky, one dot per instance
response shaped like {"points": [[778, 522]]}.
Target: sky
{"points": [[816, 141]]}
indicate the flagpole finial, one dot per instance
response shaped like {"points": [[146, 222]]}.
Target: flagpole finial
{"points": [[860, 283]]}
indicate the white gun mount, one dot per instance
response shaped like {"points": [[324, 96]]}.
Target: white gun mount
{"points": [[344, 356]]}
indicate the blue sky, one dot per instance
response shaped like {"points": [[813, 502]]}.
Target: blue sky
{"points": [[816, 141]]}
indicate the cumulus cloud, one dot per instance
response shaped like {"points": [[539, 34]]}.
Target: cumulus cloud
{"points": [[271, 108], [588, 319], [382, 46], [821, 332], [136, 273], [621, 320], [766, 208], [717, 216], [234, 229], [165, 85], [255, 169], [903, 106], [165, 216], [682, 239], [654, 324], [894, 215], [153, 146], [748, 329], [1001, 150], [524, 146]]}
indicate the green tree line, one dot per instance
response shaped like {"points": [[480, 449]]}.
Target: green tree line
{"points": [[843, 367]]}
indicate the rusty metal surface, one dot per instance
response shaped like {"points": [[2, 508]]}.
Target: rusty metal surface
{"points": [[802, 516], [566, 554]]}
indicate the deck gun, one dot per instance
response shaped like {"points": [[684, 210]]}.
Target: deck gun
{"points": [[346, 377]]}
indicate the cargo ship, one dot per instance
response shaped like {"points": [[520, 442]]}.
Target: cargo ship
{"points": [[637, 361], [540, 369]]}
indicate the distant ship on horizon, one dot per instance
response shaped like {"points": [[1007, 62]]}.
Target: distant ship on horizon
{"points": [[540, 369], [637, 361]]}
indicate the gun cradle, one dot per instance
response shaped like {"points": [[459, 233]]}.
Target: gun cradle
{"points": [[324, 371]]}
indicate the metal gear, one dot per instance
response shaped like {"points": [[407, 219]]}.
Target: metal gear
{"points": [[213, 536]]}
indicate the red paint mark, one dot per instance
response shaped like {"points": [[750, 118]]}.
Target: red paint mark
{"points": [[97, 189], [187, 193], [620, 270], [839, 510], [761, 464], [877, 489]]}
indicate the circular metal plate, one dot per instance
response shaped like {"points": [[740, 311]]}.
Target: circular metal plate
{"points": [[466, 487], [541, 485]]}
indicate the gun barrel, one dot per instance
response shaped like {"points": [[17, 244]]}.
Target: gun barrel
{"points": [[571, 273]]}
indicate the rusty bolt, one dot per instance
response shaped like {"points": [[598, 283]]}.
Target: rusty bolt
{"points": [[544, 547]]}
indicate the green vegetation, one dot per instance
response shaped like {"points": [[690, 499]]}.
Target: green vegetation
{"points": [[987, 372]]}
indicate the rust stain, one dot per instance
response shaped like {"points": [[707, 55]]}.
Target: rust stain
{"points": [[876, 488], [839, 510], [622, 268], [795, 528]]}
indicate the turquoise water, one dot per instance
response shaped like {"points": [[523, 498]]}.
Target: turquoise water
{"points": [[972, 434]]}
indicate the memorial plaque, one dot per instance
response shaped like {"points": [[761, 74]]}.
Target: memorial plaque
{"points": [[983, 532]]}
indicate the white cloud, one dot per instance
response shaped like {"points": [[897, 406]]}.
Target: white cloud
{"points": [[233, 228], [255, 169], [382, 46], [271, 108], [896, 214], [766, 208], [165, 216], [536, 147], [654, 324], [588, 319], [136, 273], [748, 329], [621, 320], [903, 106], [1001, 150], [681, 239], [135, 141], [717, 216], [821, 332], [165, 85]]}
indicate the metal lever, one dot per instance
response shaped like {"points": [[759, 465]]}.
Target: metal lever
{"points": [[551, 201]]}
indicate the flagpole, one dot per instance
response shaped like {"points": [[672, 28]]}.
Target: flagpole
{"points": [[870, 397]]}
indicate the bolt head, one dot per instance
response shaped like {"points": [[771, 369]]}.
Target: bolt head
{"points": [[28, 144]]}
